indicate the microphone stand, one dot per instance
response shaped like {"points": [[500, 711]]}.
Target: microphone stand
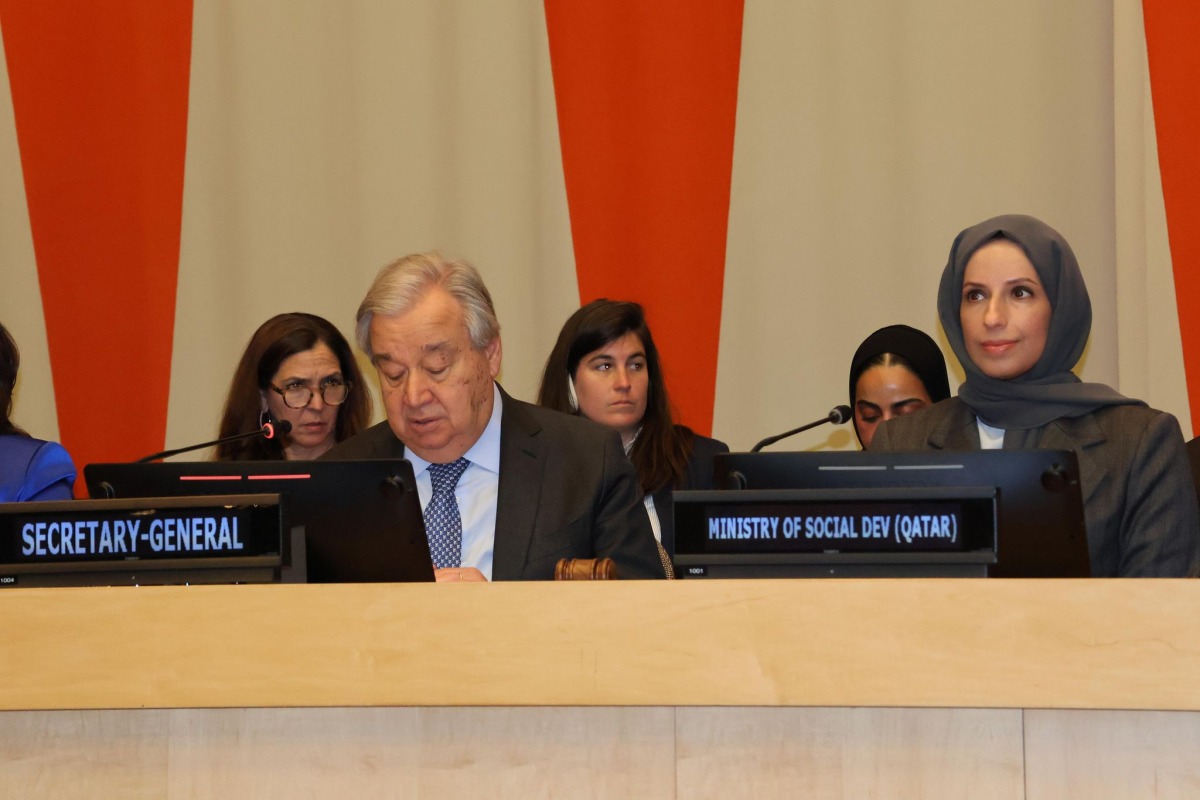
{"points": [[838, 415], [268, 431]]}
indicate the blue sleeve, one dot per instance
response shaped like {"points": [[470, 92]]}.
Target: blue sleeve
{"points": [[51, 475]]}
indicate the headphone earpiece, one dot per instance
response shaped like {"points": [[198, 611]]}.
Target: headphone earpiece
{"points": [[572, 398]]}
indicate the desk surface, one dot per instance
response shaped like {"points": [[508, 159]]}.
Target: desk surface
{"points": [[1109, 644]]}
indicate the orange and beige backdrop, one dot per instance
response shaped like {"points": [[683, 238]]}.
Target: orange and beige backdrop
{"points": [[773, 180]]}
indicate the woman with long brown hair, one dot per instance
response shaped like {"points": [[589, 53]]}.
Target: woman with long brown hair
{"points": [[606, 367]]}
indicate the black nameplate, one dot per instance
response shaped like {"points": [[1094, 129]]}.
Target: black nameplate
{"points": [[786, 527], [102, 535]]}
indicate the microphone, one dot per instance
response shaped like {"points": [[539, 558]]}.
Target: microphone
{"points": [[268, 431], [837, 416]]}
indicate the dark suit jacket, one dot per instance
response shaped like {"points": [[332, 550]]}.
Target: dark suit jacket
{"points": [[1139, 502], [566, 491], [699, 476]]}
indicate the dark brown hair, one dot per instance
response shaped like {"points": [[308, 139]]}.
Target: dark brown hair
{"points": [[10, 361], [660, 453], [276, 340]]}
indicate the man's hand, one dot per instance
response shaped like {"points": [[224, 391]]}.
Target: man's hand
{"points": [[458, 575]]}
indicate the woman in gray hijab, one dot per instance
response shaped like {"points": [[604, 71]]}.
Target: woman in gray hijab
{"points": [[1016, 312]]}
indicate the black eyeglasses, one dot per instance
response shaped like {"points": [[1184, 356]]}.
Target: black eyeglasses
{"points": [[298, 395]]}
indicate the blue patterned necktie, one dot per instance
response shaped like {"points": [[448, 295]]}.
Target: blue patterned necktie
{"points": [[442, 521]]}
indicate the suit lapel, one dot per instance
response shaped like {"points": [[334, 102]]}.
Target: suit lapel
{"points": [[521, 467], [956, 430], [386, 444]]}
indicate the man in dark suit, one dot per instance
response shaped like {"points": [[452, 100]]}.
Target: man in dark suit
{"points": [[527, 485]]}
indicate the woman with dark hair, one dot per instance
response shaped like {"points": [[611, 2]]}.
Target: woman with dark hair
{"points": [[895, 371], [30, 469], [297, 367], [1017, 314], [605, 367]]}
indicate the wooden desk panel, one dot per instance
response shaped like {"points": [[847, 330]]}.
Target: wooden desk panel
{"points": [[914, 643], [889, 689], [760, 752]]}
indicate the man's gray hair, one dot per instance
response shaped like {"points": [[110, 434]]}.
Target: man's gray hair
{"points": [[399, 286]]}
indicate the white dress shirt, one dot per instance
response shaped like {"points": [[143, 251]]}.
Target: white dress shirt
{"points": [[477, 492]]}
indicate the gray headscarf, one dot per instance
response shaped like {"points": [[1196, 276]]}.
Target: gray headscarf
{"points": [[1049, 390]]}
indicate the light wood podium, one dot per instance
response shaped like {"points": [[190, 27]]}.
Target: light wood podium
{"points": [[756, 688]]}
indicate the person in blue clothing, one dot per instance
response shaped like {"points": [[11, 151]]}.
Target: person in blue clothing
{"points": [[30, 469]]}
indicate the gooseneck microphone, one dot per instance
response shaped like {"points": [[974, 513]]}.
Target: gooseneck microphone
{"points": [[268, 431], [837, 416]]}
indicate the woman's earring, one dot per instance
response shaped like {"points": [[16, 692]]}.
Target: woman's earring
{"points": [[572, 398], [264, 418]]}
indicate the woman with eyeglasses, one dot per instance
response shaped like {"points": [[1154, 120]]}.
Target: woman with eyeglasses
{"points": [[297, 367]]}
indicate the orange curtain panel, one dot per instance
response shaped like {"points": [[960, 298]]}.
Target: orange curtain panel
{"points": [[647, 98], [1171, 29], [100, 97]]}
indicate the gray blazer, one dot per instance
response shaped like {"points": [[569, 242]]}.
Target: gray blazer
{"points": [[1139, 500], [566, 491]]}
